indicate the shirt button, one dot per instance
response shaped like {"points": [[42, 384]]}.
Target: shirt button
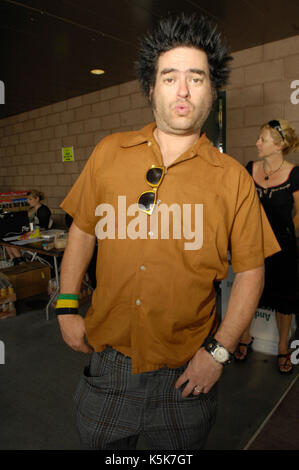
{"points": [[143, 268], [149, 143], [138, 302]]}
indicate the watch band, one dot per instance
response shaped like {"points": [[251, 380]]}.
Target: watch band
{"points": [[211, 345]]}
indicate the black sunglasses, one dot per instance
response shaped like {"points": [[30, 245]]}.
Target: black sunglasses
{"points": [[276, 125], [147, 200]]}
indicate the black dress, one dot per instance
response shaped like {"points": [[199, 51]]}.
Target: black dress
{"points": [[43, 214], [281, 283], [42, 217]]}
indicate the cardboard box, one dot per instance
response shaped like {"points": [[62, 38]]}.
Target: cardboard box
{"points": [[7, 298], [28, 279], [8, 314]]}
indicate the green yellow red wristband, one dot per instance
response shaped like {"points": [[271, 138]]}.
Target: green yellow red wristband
{"points": [[67, 304], [68, 296]]}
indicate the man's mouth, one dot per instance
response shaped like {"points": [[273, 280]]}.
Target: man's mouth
{"points": [[182, 108]]}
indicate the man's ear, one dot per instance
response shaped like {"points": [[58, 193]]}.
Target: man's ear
{"points": [[150, 93], [214, 94]]}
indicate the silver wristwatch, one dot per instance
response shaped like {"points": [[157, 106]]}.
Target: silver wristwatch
{"points": [[217, 351]]}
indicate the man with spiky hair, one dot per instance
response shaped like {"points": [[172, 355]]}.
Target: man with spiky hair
{"points": [[157, 347], [183, 31]]}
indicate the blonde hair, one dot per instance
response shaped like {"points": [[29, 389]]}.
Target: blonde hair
{"points": [[36, 194], [290, 141]]}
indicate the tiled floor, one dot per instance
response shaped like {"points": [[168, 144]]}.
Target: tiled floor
{"points": [[40, 374]]}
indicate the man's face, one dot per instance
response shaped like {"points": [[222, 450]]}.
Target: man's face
{"points": [[182, 96]]}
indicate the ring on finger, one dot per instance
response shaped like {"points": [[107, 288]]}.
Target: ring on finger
{"points": [[196, 389]]}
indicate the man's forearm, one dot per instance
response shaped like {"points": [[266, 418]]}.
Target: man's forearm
{"points": [[76, 258], [245, 294], [75, 261]]}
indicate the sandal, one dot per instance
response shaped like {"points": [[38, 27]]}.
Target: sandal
{"points": [[247, 352], [287, 358]]}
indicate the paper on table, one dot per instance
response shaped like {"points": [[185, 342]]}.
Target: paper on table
{"points": [[27, 242], [9, 239]]}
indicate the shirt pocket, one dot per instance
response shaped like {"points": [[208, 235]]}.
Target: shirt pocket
{"points": [[207, 250], [202, 214]]}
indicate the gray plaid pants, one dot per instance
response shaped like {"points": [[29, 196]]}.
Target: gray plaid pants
{"points": [[115, 407]]}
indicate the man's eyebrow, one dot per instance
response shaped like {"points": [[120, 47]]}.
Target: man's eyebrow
{"points": [[198, 71], [170, 70]]}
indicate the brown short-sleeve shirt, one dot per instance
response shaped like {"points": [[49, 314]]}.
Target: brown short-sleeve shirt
{"points": [[155, 298]]}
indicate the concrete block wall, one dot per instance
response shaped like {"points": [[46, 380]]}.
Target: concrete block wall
{"points": [[31, 142], [260, 90]]}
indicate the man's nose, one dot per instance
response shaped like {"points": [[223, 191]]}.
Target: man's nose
{"points": [[183, 90]]}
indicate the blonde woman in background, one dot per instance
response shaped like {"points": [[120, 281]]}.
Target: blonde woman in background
{"points": [[39, 214], [277, 184]]}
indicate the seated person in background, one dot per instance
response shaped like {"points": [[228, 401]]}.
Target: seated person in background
{"points": [[39, 214]]}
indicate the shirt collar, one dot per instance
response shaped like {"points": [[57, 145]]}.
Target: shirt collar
{"points": [[131, 139], [202, 148]]}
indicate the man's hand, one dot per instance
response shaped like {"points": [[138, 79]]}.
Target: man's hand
{"points": [[73, 331], [202, 371]]}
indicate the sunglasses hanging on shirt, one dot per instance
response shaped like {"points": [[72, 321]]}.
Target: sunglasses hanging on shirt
{"points": [[147, 200]]}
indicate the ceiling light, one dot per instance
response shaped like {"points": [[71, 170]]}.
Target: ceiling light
{"points": [[97, 71]]}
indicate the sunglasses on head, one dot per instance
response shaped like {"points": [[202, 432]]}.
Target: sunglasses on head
{"points": [[147, 200], [276, 125]]}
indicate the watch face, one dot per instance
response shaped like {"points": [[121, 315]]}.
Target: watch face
{"points": [[221, 354]]}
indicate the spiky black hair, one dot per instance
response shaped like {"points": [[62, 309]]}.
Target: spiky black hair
{"points": [[182, 31]]}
